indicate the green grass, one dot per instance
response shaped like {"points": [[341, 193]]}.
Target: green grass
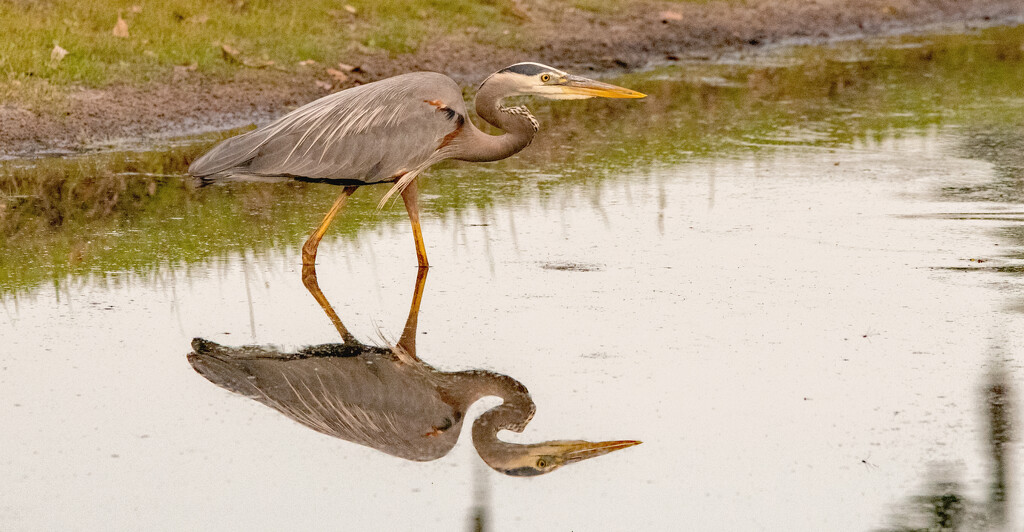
{"points": [[164, 34]]}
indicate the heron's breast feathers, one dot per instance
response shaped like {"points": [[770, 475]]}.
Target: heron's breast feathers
{"points": [[523, 111]]}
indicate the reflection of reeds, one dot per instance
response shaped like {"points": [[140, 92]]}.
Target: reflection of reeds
{"points": [[55, 214], [945, 506], [45, 196], [1000, 437]]}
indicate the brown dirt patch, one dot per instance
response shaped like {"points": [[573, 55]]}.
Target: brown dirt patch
{"points": [[571, 39]]}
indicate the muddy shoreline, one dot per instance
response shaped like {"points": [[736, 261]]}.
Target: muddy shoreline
{"points": [[582, 41]]}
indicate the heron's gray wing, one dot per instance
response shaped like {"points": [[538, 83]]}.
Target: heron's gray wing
{"points": [[361, 394], [367, 134]]}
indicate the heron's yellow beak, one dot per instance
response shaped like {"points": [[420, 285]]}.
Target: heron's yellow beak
{"points": [[580, 86], [582, 451]]}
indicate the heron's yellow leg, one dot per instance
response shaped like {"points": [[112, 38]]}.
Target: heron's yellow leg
{"points": [[309, 248], [309, 279], [408, 340], [410, 195]]}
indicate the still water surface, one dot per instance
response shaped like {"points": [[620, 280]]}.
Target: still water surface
{"points": [[795, 277]]}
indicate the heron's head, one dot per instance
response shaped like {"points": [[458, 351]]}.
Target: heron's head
{"points": [[540, 458], [535, 79]]}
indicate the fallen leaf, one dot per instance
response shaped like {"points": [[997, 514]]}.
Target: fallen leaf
{"points": [[340, 76], [57, 55], [307, 62], [671, 15], [230, 53], [258, 64], [121, 28], [323, 85], [519, 11], [350, 9], [349, 68]]}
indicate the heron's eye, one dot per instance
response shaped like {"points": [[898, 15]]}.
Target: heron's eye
{"points": [[541, 462], [545, 78]]}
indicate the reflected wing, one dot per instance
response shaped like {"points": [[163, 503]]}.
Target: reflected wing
{"points": [[362, 394], [367, 134]]}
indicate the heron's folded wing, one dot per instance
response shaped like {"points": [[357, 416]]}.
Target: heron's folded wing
{"points": [[367, 134]]}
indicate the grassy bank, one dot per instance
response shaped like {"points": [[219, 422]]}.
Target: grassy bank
{"points": [[57, 45], [137, 41], [93, 43]]}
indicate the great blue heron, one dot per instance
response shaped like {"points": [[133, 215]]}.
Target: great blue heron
{"points": [[387, 398], [389, 131]]}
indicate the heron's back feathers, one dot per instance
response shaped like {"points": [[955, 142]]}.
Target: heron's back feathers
{"points": [[368, 134]]}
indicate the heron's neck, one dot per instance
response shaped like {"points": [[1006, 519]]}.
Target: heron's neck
{"points": [[517, 123], [514, 413]]}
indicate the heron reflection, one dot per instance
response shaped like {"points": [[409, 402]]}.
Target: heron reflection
{"points": [[387, 398]]}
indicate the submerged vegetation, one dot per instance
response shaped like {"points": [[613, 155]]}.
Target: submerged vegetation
{"points": [[118, 211]]}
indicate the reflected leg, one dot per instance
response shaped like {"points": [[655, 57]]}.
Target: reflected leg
{"points": [[309, 248], [408, 340], [410, 195], [309, 279]]}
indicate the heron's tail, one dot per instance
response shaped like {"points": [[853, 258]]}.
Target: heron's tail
{"points": [[231, 154]]}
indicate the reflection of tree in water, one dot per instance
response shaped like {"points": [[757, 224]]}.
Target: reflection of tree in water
{"points": [[945, 507]]}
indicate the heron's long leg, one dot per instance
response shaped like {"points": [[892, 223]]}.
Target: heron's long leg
{"points": [[309, 279], [408, 340], [410, 195], [309, 248]]}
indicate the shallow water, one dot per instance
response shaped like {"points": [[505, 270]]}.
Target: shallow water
{"points": [[795, 277]]}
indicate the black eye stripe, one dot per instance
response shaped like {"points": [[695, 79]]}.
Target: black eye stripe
{"points": [[527, 69]]}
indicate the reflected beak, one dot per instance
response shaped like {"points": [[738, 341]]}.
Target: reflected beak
{"points": [[587, 88], [582, 451]]}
